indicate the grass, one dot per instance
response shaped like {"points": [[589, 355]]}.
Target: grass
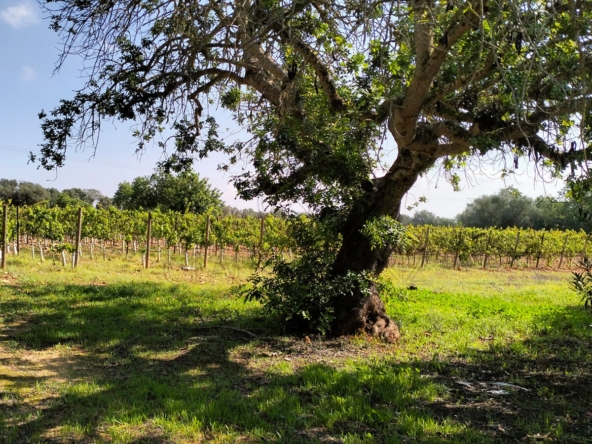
{"points": [[110, 352]]}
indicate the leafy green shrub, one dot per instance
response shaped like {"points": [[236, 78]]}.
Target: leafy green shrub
{"points": [[581, 282], [302, 292]]}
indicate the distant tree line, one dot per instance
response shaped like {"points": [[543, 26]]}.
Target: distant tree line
{"points": [[510, 208], [21, 193], [183, 192]]}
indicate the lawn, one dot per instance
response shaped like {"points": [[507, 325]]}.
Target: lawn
{"points": [[110, 352]]}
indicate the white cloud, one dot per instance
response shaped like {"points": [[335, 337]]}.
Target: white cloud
{"points": [[28, 74], [20, 15]]}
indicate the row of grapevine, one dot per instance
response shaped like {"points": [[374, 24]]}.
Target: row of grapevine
{"points": [[478, 246], [128, 229], [125, 230]]}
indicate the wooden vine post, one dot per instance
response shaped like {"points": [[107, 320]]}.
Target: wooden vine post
{"points": [[78, 236], [563, 250], [540, 252], [18, 232], [457, 252], [207, 241], [487, 249], [425, 247], [585, 246], [261, 233], [148, 239], [4, 235], [515, 250]]}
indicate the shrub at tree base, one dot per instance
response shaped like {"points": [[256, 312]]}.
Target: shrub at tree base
{"points": [[305, 294], [581, 283]]}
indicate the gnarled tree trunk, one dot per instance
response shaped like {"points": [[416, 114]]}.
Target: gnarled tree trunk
{"points": [[360, 311]]}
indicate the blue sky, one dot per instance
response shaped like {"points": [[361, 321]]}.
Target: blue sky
{"points": [[28, 84]]}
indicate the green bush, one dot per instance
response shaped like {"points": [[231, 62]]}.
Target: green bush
{"points": [[581, 282]]}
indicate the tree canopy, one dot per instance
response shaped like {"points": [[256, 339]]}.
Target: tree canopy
{"points": [[182, 192], [27, 193], [345, 104]]}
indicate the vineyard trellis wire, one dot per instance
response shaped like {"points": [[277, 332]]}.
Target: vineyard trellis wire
{"points": [[54, 230]]}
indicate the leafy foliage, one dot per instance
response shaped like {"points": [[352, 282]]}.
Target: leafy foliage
{"points": [[383, 231], [581, 283], [180, 192], [318, 85], [302, 293]]}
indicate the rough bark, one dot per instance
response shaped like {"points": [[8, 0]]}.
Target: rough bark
{"points": [[365, 313], [359, 312]]}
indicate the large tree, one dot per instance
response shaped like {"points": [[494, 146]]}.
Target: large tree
{"points": [[346, 103], [182, 192], [508, 208]]}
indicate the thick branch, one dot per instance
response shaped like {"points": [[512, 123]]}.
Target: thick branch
{"points": [[426, 69], [321, 70], [562, 158]]}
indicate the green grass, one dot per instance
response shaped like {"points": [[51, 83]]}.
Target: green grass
{"points": [[110, 352]]}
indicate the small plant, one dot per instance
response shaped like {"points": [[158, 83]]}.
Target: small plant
{"points": [[58, 248], [581, 282]]}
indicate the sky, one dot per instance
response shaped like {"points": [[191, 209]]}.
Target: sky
{"points": [[28, 84]]}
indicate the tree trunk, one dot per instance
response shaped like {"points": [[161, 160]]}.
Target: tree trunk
{"points": [[360, 312]]}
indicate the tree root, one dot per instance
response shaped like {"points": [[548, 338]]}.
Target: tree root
{"points": [[367, 315]]}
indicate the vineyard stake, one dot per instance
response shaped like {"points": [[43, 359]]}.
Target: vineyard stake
{"points": [[18, 233], [103, 248], [563, 250], [64, 258], [261, 233], [4, 234], [456, 254], [585, 245], [515, 249], [207, 241], [148, 238], [78, 234], [487, 250], [41, 251], [541, 251], [33, 250], [425, 247]]}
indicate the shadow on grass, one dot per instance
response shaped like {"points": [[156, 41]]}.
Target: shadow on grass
{"points": [[552, 369], [156, 363]]}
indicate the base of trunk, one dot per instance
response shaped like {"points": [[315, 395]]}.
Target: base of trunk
{"points": [[366, 314]]}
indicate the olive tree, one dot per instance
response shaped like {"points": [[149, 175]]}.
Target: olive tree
{"points": [[344, 103]]}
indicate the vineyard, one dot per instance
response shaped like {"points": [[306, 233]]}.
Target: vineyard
{"points": [[73, 234]]}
